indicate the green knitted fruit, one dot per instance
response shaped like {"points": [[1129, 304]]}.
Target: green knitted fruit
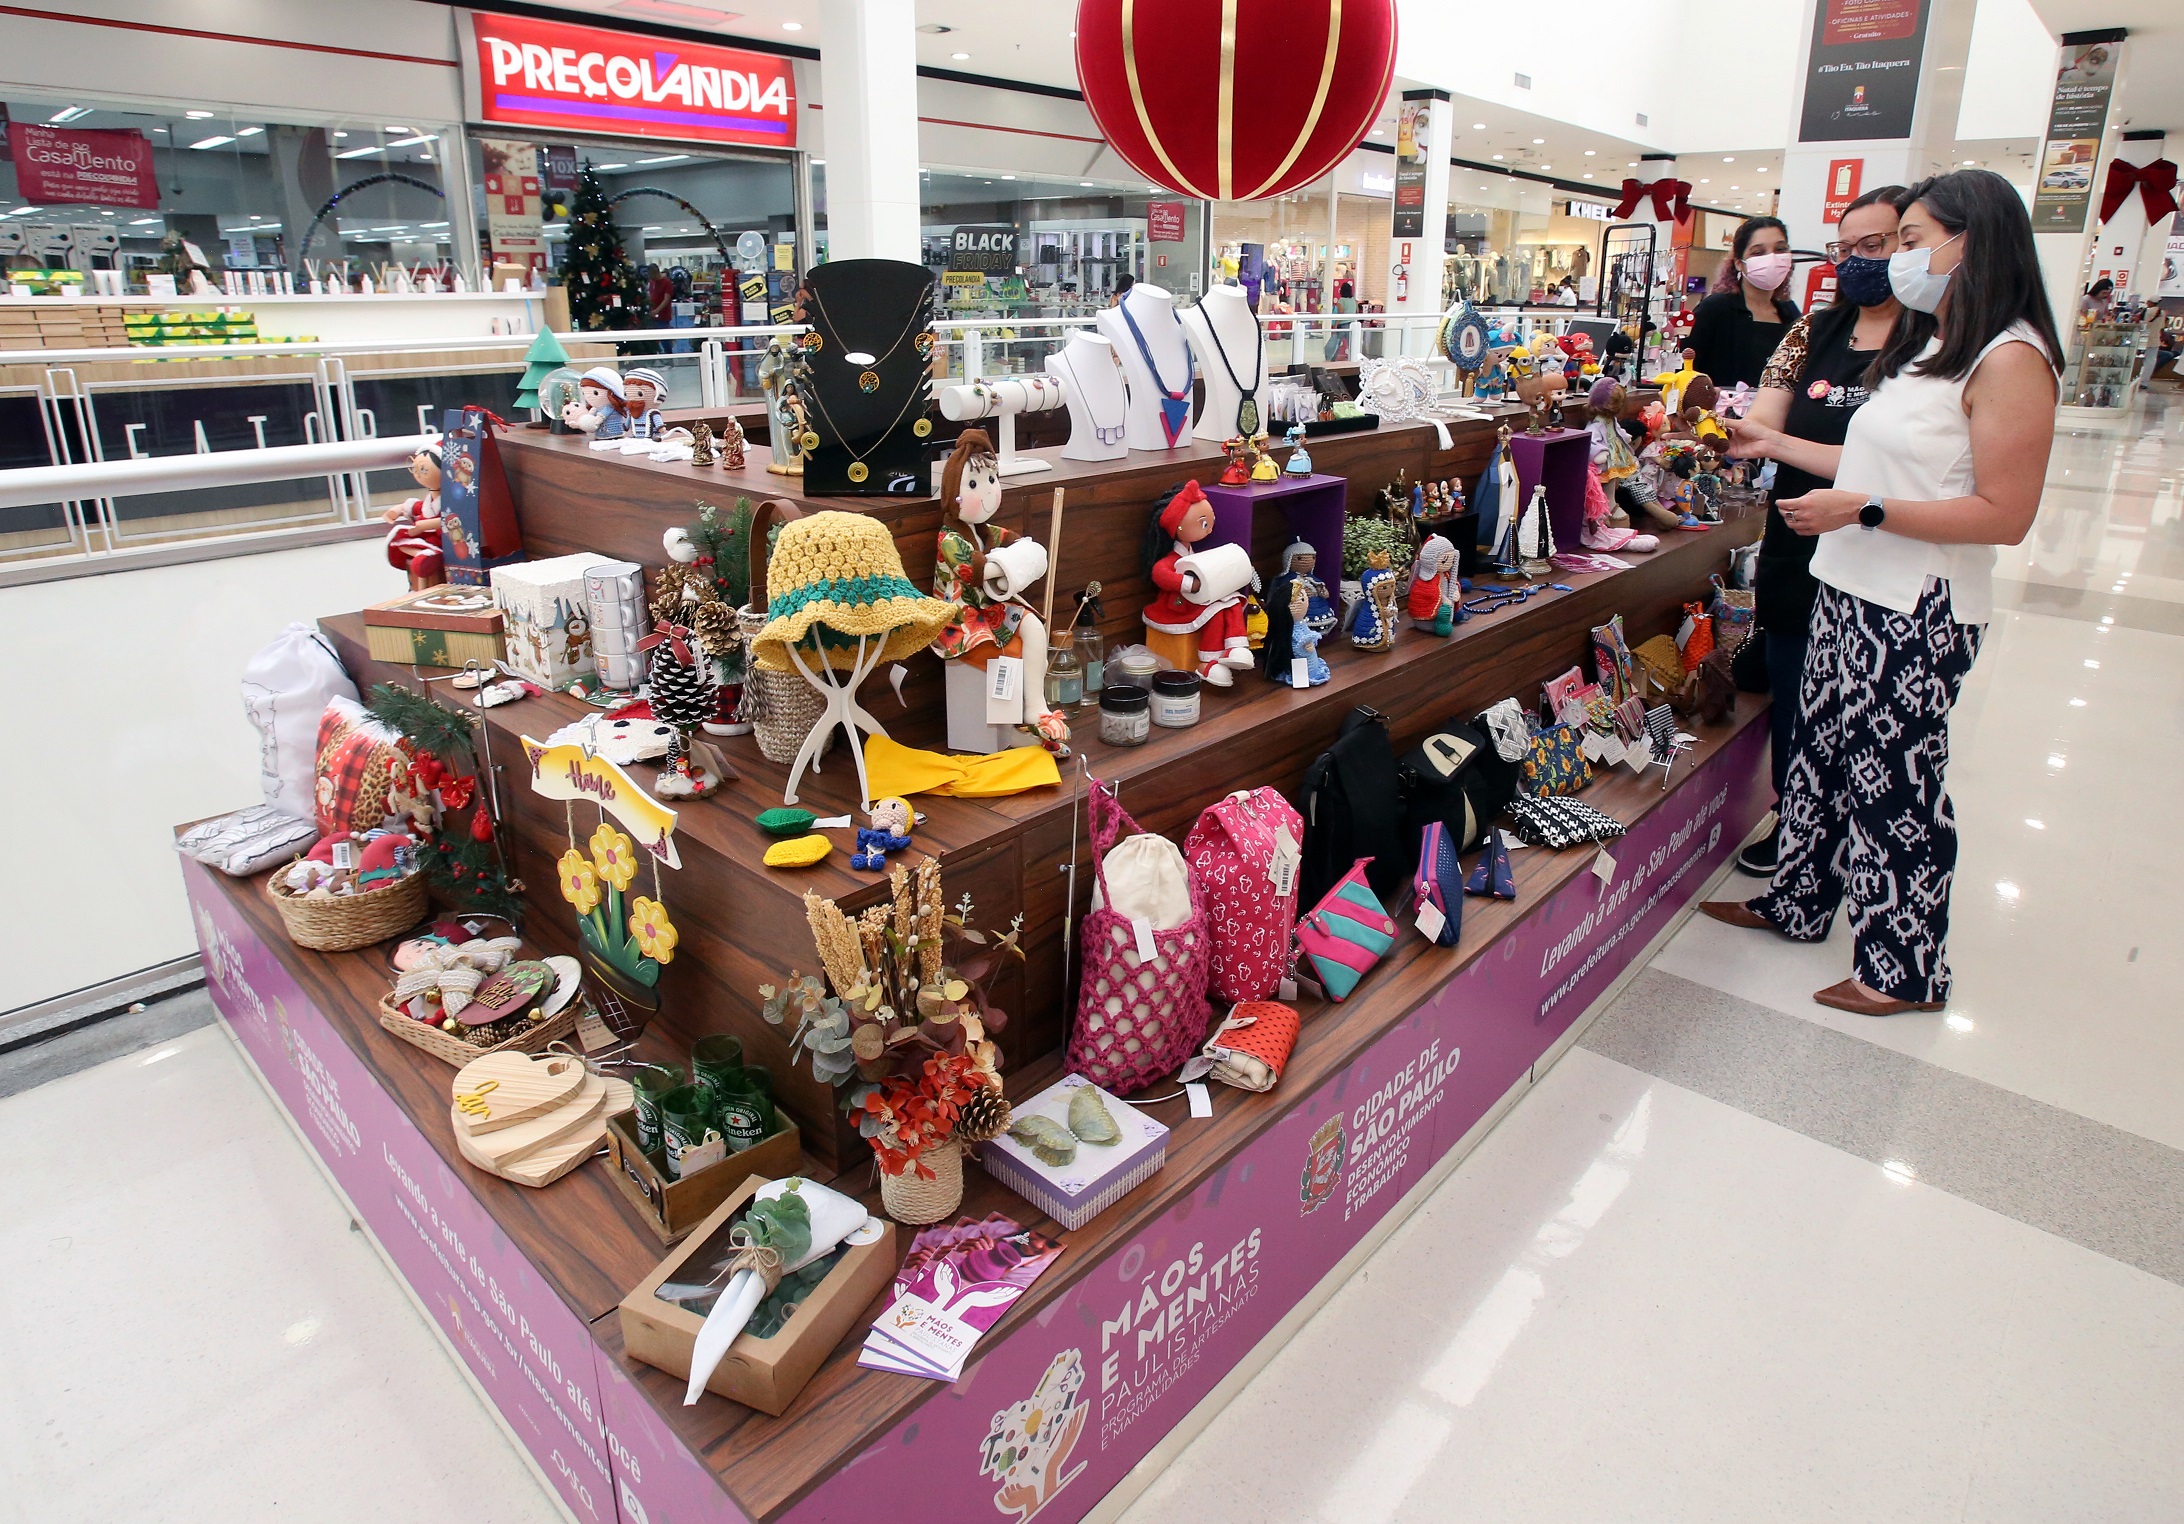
{"points": [[780, 822]]}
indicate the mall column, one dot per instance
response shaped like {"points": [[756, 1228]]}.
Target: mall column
{"points": [[1418, 221], [868, 87]]}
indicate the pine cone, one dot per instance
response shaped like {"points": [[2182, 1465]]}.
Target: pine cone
{"points": [[680, 695], [984, 1116]]}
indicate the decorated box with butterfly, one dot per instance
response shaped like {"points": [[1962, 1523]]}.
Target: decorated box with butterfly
{"points": [[1073, 1151]]}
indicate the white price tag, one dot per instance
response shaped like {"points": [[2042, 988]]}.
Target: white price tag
{"points": [[1594, 746], [831, 822], [1288, 857], [1143, 930], [344, 855], [1612, 749], [1200, 1098], [1300, 672], [1430, 920], [1004, 690], [1639, 757], [1603, 867]]}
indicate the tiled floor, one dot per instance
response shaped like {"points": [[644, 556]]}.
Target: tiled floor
{"points": [[1735, 1258]]}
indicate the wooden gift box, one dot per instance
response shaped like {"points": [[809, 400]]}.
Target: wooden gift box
{"points": [[445, 626], [765, 1374], [671, 1207]]}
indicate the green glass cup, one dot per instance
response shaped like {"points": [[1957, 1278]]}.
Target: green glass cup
{"points": [[648, 1082], [693, 1138], [746, 1109], [715, 1061]]}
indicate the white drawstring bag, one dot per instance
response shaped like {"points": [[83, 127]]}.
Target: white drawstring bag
{"points": [[286, 687]]}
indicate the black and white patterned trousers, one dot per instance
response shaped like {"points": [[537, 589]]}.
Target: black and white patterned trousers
{"points": [[1866, 815]]}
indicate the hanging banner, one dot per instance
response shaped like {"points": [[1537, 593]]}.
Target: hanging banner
{"points": [[1409, 220], [60, 166], [2172, 268], [1862, 79], [514, 204], [2085, 80], [580, 78]]}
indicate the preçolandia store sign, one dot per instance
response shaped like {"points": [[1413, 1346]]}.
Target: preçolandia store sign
{"points": [[530, 73]]}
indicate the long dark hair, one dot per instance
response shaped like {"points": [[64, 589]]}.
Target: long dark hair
{"points": [[1996, 281], [1729, 279]]}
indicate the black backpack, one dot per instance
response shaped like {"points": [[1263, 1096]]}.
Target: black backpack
{"points": [[1456, 777], [1353, 807]]}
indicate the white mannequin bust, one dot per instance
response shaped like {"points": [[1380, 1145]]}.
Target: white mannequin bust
{"points": [[1224, 314], [1093, 391], [1153, 310]]}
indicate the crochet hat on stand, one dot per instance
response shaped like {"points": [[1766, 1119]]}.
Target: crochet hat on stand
{"points": [[841, 570]]}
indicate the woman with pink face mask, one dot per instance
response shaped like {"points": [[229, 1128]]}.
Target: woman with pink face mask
{"points": [[1739, 324]]}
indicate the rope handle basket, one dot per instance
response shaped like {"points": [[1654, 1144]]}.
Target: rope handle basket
{"points": [[451, 1049], [780, 706], [351, 921]]}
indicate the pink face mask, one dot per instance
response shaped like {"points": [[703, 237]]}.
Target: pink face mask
{"points": [[1767, 271]]}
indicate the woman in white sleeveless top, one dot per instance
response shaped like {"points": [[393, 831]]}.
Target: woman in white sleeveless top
{"points": [[1944, 463]]}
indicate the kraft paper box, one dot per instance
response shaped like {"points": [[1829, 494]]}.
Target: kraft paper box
{"points": [[1099, 1176], [765, 1374], [672, 1207], [548, 622]]}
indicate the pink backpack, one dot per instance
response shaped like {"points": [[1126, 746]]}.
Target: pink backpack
{"points": [[1233, 850]]}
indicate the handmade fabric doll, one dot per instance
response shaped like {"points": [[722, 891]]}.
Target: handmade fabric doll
{"points": [[1201, 593], [1303, 640], [598, 410], [1431, 603], [414, 541], [642, 391], [1300, 566], [1300, 461], [889, 832], [1372, 626], [970, 495], [1600, 533], [1237, 472]]}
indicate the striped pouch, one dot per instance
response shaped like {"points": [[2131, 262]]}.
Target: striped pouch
{"points": [[1346, 933]]}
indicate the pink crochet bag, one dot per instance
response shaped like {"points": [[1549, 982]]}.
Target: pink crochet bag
{"points": [[1136, 1021], [1232, 850]]}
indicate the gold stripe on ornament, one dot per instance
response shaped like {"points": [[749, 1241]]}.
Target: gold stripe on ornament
{"points": [[1137, 100], [1225, 143], [1319, 100]]}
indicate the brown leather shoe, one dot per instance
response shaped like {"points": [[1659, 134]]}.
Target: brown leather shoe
{"points": [[1736, 913], [1855, 998]]}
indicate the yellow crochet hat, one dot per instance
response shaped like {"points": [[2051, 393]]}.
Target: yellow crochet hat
{"points": [[841, 570]]}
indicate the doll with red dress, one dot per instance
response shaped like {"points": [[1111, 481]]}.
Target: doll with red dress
{"points": [[413, 540], [1200, 592]]}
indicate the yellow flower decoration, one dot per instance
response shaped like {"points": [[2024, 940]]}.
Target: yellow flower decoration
{"points": [[579, 884], [616, 858], [655, 933]]}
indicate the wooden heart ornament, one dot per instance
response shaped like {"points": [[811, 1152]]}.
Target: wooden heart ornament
{"points": [[508, 993], [502, 1089]]}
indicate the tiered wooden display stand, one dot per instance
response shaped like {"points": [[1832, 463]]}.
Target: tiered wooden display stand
{"points": [[1154, 1302]]}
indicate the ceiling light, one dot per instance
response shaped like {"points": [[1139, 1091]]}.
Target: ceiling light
{"points": [[351, 153], [412, 142], [1478, 126], [651, 227], [432, 224], [2077, 703], [665, 158], [1588, 174], [1728, 158], [1497, 156], [211, 142], [960, 57], [198, 116], [792, 26], [1084, 182], [1590, 152], [248, 132], [1970, 163], [610, 166], [341, 134], [145, 222], [1898, 1171], [1633, 164], [1736, 187], [1537, 142], [69, 114], [1706, 182], [256, 217], [2037, 825], [1008, 177], [1763, 169]]}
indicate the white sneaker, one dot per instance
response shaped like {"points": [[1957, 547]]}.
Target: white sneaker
{"points": [[1217, 675]]}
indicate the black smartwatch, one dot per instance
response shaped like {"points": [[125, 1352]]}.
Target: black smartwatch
{"points": [[1872, 513]]}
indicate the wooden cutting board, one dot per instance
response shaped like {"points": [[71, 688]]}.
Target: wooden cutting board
{"points": [[513, 1087], [549, 1162], [503, 1146]]}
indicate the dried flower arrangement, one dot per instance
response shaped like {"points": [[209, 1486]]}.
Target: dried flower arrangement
{"points": [[907, 1031]]}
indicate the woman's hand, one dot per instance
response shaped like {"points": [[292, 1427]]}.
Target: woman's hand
{"points": [[1819, 511], [1749, 439]]}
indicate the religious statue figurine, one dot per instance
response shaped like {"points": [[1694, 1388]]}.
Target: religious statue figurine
{"points": [[786, 428], [1536, 534], [1300, 460], [1303, 641], [701, 443], [1300, 565], [413, 543], [1200, 593], [889, 832], [1263, 468], [642, 391], [731, 445], [1372, 625], [1238, 471], [598, 410], [1432, 602]]}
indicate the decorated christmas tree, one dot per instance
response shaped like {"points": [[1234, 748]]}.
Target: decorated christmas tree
{"points": [[546, 356], [604, 291]]}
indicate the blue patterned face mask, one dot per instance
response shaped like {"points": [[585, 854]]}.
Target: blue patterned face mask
{"points": [[1862, 282]]}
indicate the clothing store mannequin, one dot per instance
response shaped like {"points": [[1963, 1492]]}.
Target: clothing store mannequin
{"points": [[1223, 322], [1093, 391], [1153, 311]]}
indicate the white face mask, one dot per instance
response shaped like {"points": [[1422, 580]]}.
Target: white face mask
{"points": [[1915, 285]]}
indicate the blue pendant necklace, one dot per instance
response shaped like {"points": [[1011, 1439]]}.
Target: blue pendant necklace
{"points": [[1175, 405]]}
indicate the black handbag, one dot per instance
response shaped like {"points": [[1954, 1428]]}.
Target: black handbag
{"points": [[1455, 778], [1352, 803]]}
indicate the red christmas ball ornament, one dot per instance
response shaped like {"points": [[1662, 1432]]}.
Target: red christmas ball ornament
{"points": [[481, 825], [1235, 100]]}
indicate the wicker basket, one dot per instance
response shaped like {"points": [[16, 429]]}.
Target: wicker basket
{"points": [[913, 1200], [353, 921], [780, 707], [451, 1049]]}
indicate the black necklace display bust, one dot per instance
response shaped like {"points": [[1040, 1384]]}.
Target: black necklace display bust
{"points": [[862, 374]]}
